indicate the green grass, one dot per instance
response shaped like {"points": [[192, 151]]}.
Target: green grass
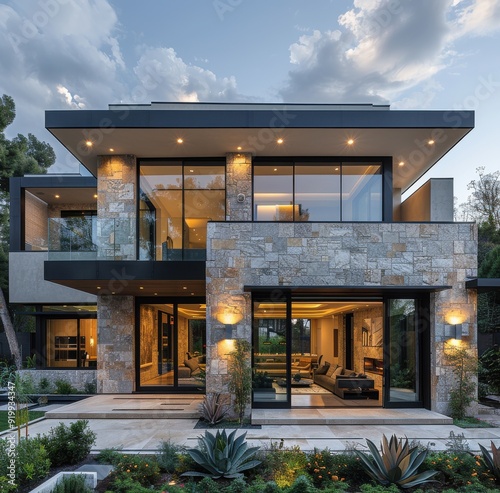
{"points": [[472, 423], [4, 418]]}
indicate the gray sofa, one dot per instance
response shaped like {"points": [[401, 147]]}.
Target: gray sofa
{"points": [[343, 381]]}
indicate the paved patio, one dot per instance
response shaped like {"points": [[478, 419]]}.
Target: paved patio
{"points": [[134, 433]]}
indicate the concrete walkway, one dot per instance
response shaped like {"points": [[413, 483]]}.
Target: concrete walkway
{"points": [[136, 434]]}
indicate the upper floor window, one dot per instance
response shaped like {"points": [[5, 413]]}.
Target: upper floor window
{"points": [[317, 191], [177, 199]]}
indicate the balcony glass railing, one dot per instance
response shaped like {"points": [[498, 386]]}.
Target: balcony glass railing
{"points": [[89, 238]]}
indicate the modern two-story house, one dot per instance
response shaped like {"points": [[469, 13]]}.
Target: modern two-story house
{"points": [[280, 224]]}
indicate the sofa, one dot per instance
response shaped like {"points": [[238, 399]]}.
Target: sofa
{"points": [[192, 366], [275, 368], [344, 382]]}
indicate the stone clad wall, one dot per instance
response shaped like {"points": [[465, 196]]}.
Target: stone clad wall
{"points": [[116, 207], [116, 345], [342, 254], [238, 183]]}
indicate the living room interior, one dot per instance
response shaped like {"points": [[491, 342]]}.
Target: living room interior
{"points": [[337, 353]]}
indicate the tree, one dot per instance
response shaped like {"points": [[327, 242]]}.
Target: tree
{"points": [[240, 377], [484, 201], [18, 156]]}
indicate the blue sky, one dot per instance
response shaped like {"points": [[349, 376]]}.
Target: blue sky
{"points": [[413, 54]]}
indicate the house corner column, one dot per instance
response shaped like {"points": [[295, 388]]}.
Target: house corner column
{"points": [[239, 186]]}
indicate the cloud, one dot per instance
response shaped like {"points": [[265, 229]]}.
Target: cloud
{"points": [[383, 48]]}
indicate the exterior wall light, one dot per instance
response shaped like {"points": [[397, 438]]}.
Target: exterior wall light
{"points": [[454, 331]]}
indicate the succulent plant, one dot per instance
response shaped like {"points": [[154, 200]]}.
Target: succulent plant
{"points": [[222, 455], [213, 408], [396, 463], [492, 460]]}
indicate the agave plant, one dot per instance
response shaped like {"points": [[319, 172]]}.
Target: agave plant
{"points": [[492, 460], [213, 408], [397, 463], [222, 455]]}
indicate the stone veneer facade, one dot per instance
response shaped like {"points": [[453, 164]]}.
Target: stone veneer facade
{"points": [[342, 254], [116, 212]]}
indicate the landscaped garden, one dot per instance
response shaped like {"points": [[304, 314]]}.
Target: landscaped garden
{"points": [[223, 462]]}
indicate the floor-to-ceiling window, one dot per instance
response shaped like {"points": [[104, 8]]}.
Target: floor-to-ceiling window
{"points": [[299, 190], [176, 201], [171, 345]]}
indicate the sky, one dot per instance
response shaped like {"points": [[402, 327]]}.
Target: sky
{"points": [[411, 54]]}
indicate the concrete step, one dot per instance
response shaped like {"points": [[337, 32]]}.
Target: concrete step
{"points": [[323, 416]]}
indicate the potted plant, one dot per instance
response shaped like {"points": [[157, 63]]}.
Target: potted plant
{"points": [[262, 382]]}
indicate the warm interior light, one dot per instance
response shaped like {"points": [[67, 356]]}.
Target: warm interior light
{"points": [[180, 141], [184, 287], [350, 142], [88, 143], [280, 141], [430, 142], [141, 287], [275, 169], [92, 341], [111, 149], [401, 163], [191, 170], [95, 195], [57, 196], [239, 148], [156, 294], [98, 287]]}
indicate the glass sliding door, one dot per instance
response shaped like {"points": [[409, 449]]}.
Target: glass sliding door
{"points": [[271, 358], [171, 346], [403, 351]]}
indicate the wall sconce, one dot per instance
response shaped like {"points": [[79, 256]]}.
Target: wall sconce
{"points": [[229, 318], [454, 331], [92, 342]]}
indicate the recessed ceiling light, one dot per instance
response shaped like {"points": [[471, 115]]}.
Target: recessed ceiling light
{"points": [[89, 143], [111, 149], [430, 142], [184, 287], [112, 292], [180, 141], [280, 141], [141, 287], [57, 196], [95, 195], [192, 294], [401, 163], [156, 294], [191, 170], [239, 148], [275, 169], [350, 142], [98, 287], [336, 169]]}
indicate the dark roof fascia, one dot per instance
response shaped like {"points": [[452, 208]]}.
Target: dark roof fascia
{"points": [[484, 284], [60, 270], [55, 181], [282, 117], [346, 290]]}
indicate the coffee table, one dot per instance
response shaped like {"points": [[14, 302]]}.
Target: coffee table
{"points": [[303, 382]]}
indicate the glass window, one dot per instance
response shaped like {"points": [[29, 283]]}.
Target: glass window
{"points": [[317, 192], [273, 193], [362, 192], [176, 202], [71, 343], [404, 374]]}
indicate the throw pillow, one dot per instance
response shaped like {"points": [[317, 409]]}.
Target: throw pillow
{"points": [[337, 372], [192, 363], [332, 370], [351, 374], [322, 370]]}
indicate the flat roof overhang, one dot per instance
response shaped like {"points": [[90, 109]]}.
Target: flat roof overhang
{"points": [[129, 277], [151, 131], [346, 291], [484, 284]]}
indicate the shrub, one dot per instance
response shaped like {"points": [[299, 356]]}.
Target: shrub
{"points": [[69, 445], [128, 485], [325, 467], [377, 488], [44, 386], [64, 387], [168, 456], [6, 485], [302, 485], [142, 470], [237, 485], [72, 483], [455, 469], [284, 464], [32, 460], [90, 388], [109, 456]]}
